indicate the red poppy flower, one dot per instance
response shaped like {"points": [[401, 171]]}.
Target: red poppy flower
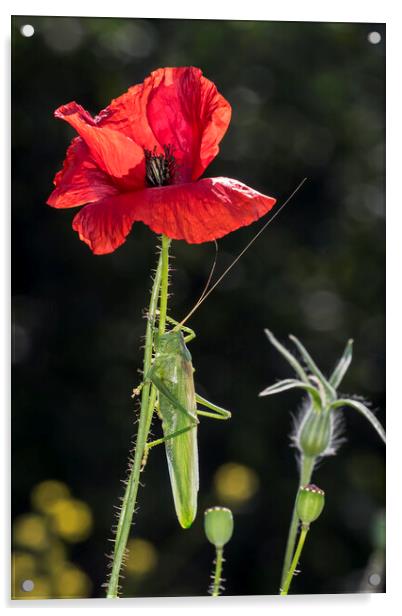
{"points": [[141, 159]]}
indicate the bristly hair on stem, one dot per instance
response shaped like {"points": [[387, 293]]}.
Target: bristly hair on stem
{"points": [[217, 586]]}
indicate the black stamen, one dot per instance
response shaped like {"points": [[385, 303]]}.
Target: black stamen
{"points": [[160, 169]]}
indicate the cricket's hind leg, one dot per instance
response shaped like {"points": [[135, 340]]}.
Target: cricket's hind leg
{"points": [[219, 412]]}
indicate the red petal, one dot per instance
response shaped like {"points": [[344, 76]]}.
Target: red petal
{"points": [[114, 153], [80, 181], [177, 107], [128, 114], [195, 212], [200, 211], [186, 111], [104, 225]]}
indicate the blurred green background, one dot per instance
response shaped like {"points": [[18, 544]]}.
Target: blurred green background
{"points": [[308, 101]]}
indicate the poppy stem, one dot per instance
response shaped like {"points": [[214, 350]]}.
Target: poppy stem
{"points": [[159, 294], [306, 470], [217, 579], [164, 284], [296, 558]]}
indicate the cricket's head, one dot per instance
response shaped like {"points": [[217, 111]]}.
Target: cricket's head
{"points": [[172, 343]]}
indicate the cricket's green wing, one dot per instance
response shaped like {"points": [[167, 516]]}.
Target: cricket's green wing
{"points": [[181, 450]]}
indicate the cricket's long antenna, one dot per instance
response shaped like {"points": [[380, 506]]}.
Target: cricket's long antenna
{"points": [[206, 293], [211, 273]]}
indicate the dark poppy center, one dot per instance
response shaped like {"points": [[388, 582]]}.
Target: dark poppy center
{"points": [[160, 169]]}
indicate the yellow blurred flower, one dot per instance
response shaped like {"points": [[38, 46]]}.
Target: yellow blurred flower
{"points": [[23, 565], [47, 573], [71, 581], [142, 557], [30, 531], [46, 493], [55, 556], [71, 519], [235, 483]]}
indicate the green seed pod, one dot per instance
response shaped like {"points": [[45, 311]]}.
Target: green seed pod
{"points": [[218, 524], [310, 503], [315, 433]]}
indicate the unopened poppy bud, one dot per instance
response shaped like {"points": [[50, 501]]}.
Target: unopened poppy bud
{"points": [[218, 524], [315, 433], [310, 503]]}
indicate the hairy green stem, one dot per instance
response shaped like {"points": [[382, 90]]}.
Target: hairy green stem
{"points": [[296, 558], [164, 283], [216, 587], [306, 470], [148, 398]]}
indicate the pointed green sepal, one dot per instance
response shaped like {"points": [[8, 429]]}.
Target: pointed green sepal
{"points": [[342, 366], [314, 368], [297, 367], [362, 408], [292, 384]]}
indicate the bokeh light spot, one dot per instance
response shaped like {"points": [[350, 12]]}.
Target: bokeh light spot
{"points": [[46, 493], [130, 40], [30, 532], [27, 30], [64, 35], [374, 38], [23, 564], [21, 343], [323, 310], [72, 582], [235, 483], [71, 519], [55, 556], [142, 557], [378, 531]]}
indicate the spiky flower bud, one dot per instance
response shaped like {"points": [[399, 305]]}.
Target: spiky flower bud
{"points": [[310, 503], [315, 433], [218, 524]]}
